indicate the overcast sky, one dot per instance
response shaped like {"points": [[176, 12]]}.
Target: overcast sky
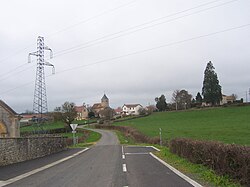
{"points": [[133, 50]]}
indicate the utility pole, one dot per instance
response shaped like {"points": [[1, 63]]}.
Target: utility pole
{"points": [[40, 97], [246, 97], [249, 92], [160, 137]]}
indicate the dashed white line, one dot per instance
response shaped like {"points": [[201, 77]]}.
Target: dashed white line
{"points": [[17, 178], [124, 168], [186, 178], [123, 157], [122, 150]]}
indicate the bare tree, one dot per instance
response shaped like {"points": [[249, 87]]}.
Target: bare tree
{"points": [[182, 99]]}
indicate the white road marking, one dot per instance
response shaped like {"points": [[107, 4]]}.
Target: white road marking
{"points": [[154, 148], [17, 178], [136, 153], [186, 178], [124, 168], [122, 150], [144, 146], [123, 157]]}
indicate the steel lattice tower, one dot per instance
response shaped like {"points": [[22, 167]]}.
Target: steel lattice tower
{"points": [[40, 98]]}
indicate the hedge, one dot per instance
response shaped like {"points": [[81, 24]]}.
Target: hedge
{"points": [[131, 132], [225, 159]]}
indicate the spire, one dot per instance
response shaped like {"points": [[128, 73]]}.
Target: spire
{"points": [[104, 97]]}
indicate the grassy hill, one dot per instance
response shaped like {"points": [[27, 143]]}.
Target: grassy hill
{"points": [[228, 125]]}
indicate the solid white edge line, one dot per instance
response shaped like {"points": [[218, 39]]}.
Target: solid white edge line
{"points": [[154, 148], [124, 168], [186, 178], [17, 178]]}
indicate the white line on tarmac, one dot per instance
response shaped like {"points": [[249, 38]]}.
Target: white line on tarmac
{"points": [[123, 157], [144, 146], [17, 178], [136, 153], [154, 148], [122, 150], [124, 168], [186, 178]]}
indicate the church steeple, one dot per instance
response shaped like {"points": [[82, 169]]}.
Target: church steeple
{"points": [[105, 101]]}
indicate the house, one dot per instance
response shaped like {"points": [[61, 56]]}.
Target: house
{"points": [[82, 112], [118, 111], [227, 99], [131, 109], [9, 122], [151, 108], [98, 107], [28, 118]]}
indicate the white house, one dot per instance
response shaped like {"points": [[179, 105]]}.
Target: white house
{"points": [[131, 109]]}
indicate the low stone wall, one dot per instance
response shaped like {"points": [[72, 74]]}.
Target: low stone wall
{"points": [[13, 150]]}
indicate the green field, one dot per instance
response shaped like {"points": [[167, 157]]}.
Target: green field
{"points": [[46, 126], [228, 125]]}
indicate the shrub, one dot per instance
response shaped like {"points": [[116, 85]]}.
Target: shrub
{"points": [[132, 133], [225, 159]]}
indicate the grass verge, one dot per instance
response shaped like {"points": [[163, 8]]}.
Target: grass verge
{"points": [[91, 140]]}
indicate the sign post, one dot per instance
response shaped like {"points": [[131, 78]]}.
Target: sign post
{"points": [[73, 126], [160, 137]]}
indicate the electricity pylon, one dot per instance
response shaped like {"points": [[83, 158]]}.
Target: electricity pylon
{"points": [[40, 98]]}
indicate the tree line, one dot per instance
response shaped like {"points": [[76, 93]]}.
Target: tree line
{"points": [[181, 99]]}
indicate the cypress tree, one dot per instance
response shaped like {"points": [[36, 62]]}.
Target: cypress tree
{"points": [[211, 89]]}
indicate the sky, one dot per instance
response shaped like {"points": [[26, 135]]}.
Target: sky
{"points": [[131, 50]]}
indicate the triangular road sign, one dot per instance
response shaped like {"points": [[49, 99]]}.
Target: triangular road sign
{"points": [[73, 126]]}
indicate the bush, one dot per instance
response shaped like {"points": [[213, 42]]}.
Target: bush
{"points": [[225, 159], [132, 133], [69, 141]]}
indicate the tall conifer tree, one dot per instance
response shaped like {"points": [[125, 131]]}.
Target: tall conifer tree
{"points": [[211, 89]]}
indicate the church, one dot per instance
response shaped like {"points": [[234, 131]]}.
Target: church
{"points": [[97, 107]]}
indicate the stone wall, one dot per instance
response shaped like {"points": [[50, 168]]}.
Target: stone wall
{"points": [[13, 150]]}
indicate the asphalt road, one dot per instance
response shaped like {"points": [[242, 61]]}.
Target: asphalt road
{"points": [[107, 164]]}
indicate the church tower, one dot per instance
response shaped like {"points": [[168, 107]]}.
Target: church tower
{"points": [[105, 101]]}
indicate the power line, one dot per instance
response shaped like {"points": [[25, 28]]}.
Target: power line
{"points": [[100, 40], [12, 70], [7, 77], [96, 41], [140, 52], [158, 47], [91, 18], [67, 28], [15, 53]]}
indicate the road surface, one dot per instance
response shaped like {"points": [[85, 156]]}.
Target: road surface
{"points": [[107, 164]]}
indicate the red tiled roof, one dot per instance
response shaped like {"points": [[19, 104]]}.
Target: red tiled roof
{"points": [[97, 105], [78, 108]]}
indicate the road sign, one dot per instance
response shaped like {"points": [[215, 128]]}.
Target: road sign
{"points": [[73, 126]]}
